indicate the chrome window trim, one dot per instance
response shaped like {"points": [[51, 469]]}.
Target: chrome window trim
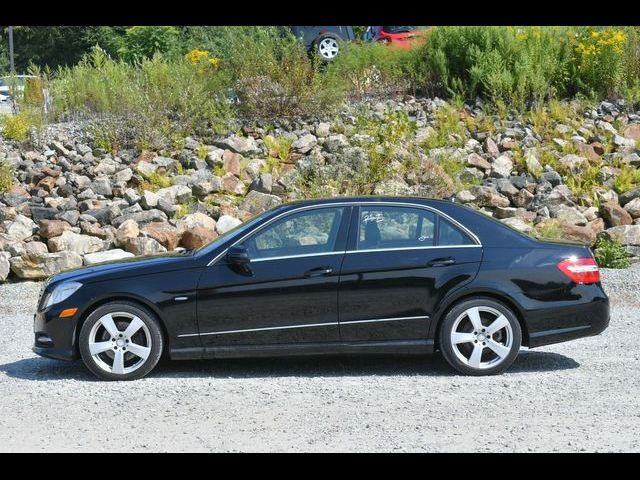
{"points": [[473, 236], [390, 249], [306, 325], [302, 255]]}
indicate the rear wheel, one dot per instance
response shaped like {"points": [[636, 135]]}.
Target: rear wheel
{"points": [[121, 341], [480, 336], [327, 46]]}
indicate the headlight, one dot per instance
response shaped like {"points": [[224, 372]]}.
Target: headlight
{"points": [[62, 292]]}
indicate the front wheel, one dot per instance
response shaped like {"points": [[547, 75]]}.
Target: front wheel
{"points": [[480, 336], [121, 341], [328, 47]]}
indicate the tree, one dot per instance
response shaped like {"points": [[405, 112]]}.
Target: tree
{"points": [[145, 41], [4, 52]]}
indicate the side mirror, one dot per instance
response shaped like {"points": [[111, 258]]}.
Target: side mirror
{"points": [[238, 255]]}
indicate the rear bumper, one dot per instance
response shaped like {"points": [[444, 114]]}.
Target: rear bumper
{"points": [[561, 323]]}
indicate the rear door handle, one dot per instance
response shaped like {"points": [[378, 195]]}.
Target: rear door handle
{"points": [[441, 262], [318, 272]]}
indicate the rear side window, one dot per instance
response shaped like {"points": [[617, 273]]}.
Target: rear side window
{"points": [[395, 227], [449, 234]]}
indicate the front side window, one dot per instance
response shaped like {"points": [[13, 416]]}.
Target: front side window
{"points": [[395, 227], [308, 232]]}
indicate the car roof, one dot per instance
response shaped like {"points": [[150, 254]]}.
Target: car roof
{"points": [[364, 199]]}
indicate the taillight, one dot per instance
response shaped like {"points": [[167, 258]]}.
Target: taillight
{"points": [[580, 270]]}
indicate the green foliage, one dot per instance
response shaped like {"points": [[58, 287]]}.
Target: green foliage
{"points": [[449, 131], [6, 176], [550, 230], [376, 69], [145, 41], [145, 105], [275, 77], [183, 209], [582, 184], [201, 152], [627, 179], [610, 253], [154, 181], [18, 127]]}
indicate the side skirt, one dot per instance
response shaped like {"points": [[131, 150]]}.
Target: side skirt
{"points": [[415, 347]]}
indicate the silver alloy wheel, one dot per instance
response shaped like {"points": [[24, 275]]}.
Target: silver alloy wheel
{"points": [[120, 343], [481, 337], [328, 48]]}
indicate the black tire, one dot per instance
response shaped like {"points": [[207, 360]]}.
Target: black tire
{"points": [[509, 337], [150, 331], [329, 37]]}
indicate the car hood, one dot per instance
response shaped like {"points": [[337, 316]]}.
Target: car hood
{"points": [[128, 267]]}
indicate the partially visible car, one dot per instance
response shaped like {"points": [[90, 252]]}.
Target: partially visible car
{"points": [[324, 40], [403, 36]]}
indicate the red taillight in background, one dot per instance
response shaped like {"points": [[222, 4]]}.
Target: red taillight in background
{"points": [[580, 270]]}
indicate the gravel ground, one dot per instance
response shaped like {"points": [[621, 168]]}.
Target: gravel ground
{"points": [[578, 396]]}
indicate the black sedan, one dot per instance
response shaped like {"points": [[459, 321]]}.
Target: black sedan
{"points": [[343, 275]]}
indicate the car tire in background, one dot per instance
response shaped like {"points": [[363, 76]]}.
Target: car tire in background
{"points": [[480, 336], [327, 46], [121, 341]]}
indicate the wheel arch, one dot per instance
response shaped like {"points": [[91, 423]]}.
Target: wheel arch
{"points": [[121, 297], [448, 303]]}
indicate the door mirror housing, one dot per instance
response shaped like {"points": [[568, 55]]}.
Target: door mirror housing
{"points": [[238, 255]]}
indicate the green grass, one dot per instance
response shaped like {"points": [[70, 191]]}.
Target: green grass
{"points": [[6, 176]]}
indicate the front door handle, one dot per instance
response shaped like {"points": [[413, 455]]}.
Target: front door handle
{"points": [[441, 262], [318, 272]]}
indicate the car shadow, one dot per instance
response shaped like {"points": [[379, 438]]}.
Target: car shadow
{"points": [[43, 369]]}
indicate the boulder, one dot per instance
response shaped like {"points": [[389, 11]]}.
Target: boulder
{"points": [[573, 163], [632, 131], [489, 197], [163, 232], [153, 215], [149, 200], [191, 221], [232, 184], [197, 237], [633, 208], [576, 233], [243, 145], [5, 266], [567, 214], [231, 162], [256, 202], [615, 215], [75, 242], [41, 266], [21, 228], [226, 223], [175, 194], [502, 166], [106, 256], [477, 161], [490, 147], [626, 234], [144, 246], [518, 224], [127, 231], [305, 143], [52, 228], [534, 167]]}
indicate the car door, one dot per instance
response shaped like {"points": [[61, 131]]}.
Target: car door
{"points": [[288, 292], [400, 261]]}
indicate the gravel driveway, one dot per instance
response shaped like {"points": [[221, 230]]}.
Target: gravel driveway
{"points": [[578, 396]]}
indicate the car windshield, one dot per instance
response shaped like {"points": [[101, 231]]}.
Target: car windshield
{"points": [[399, 28]]}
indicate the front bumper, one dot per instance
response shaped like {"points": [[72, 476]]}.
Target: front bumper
{"points": [[54, 337]]}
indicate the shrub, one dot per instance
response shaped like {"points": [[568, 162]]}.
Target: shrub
{"points": [[154, 181], [143, 105], [274, 76], [449, 130], [17, 127], [6, 176], [375, 69], [611, 254]]}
